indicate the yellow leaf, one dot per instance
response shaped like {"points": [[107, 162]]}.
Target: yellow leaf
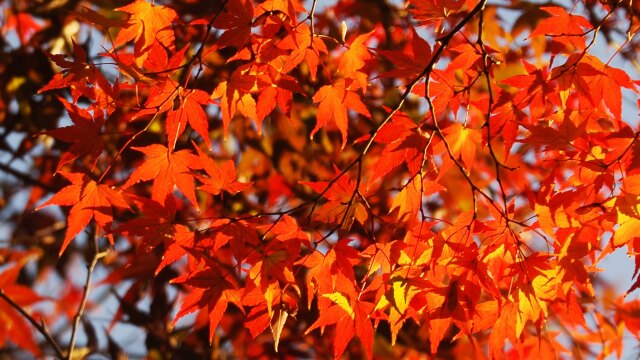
{"points": [[341, 301], [628, 230], [462, 142], [530, 307], [276, 325], [400, 295]]}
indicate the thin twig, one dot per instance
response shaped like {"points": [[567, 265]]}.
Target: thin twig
{"points": [[25, 177], [97, 255], [40, 326]]}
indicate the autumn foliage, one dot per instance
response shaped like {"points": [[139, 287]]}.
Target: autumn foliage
{"points": [[319, 179]]}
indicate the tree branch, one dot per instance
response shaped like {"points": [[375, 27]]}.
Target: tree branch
{"points": [[25, 177], [40, 326]]}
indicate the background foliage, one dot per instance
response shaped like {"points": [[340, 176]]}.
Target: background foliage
{"points": [[318, 179]]}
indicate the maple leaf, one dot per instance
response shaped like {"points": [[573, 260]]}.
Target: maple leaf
{"points": [[605, 83], [628, 219], [334, 101], [629, 312], [235, 96], [176, 246], [157, 225], [433, 11], [409, 200], [555, 138], [24, 25], [503, 329], [403, 144], [353, 60], [84, 134], [220, 178], [303, 47], [274, 313], [162, 98], [566, 28], [93, 17], [288, 7], [534, 91], [410, 62], [274, 264], [88, 200], [14, 326], [463, 142], [211, 293], [189, 111], [159, 61], [147, 23], [287, 229], [78, 75], [351, 318], [167, 169], [237, 20], [341, 208], [331, 271], [279, 93]]}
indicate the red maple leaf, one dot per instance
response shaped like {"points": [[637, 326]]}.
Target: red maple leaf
{"points": [[354, 59], [84, 134], [79, 74], [411, 61], [237, 20], [14, 325], [210, 292], [188, 110]]}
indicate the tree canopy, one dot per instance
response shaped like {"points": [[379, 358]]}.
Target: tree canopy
{"points": [[319, 179]]}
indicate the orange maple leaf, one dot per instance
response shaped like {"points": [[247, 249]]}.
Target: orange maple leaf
{"points": [[341, 208], [463, 142], [353, 60], [428, 12], [148, 22], [220, 178], [566, 28], [351, 318], [303, 46], [235, 96], [182, 106], [78, 74], [334, 101], [89, 200], [167, 168]]}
